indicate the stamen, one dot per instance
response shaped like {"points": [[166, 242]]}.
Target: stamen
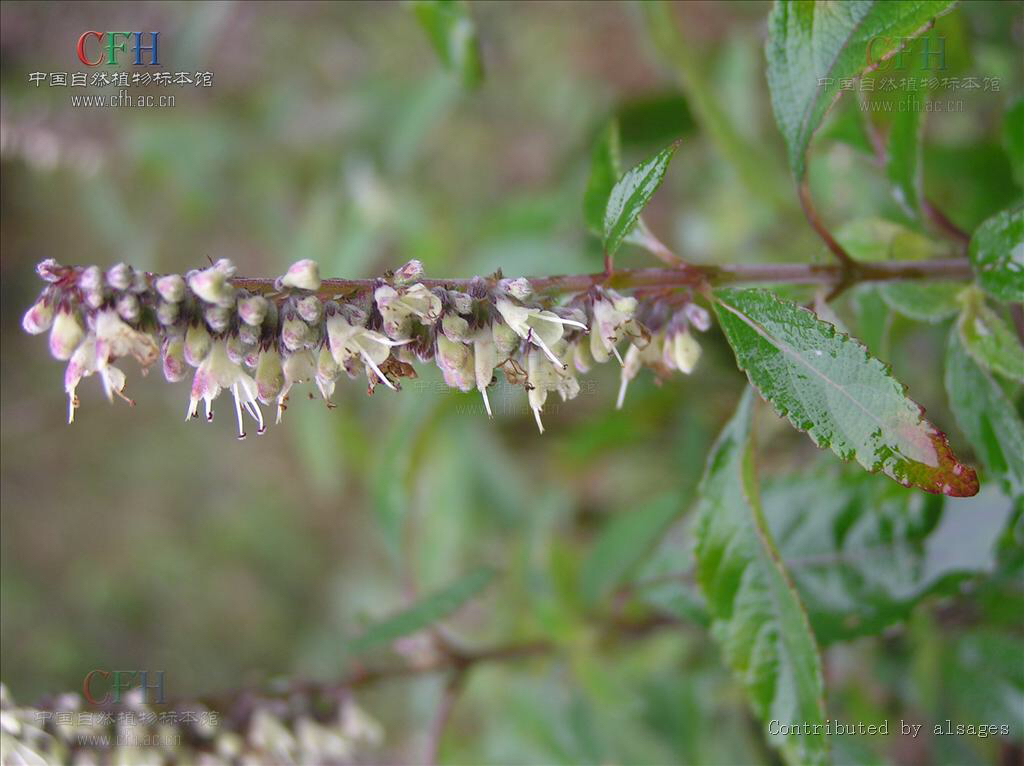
{"points": [[561, 320], [209, 411], [487, 402], [616, 352], [238, 412], [72, 404], [622, 392], [375, 368], [536, 339], [536, 416]]}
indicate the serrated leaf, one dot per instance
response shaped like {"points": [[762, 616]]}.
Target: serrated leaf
{"points": [[623, 543], [997, 252], [605, 161], [923, 301], [989, 339], [985, 415], [1013, 139], [630, 196], [863, 551], [830, 41], [828, 385], [903, 160], [424, 613], [758, 620], [453, 35]]}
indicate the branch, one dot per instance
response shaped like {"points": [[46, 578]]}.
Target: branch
{"points": [[684, 276]]}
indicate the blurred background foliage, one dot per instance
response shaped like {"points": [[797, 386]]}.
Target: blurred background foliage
{"points": [[335, 132]]}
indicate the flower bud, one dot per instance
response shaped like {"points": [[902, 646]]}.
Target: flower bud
{"points": [[197, 344], [461, 302], [327, 372], [167, 313], [455, 360], [269, 375], [91, 278], [218, 318], [410, 272], [302, 275], [682, 352], [128, 308], [49, 270], [698, 317], [249, 335], [171, 288], [506, 340], [294, 332], [120, 276], [66, 334], [39, 318], [252, 309], [172, 354], [310, 309], [212, 286], [455, 327], [519, 288], [237, 350]]}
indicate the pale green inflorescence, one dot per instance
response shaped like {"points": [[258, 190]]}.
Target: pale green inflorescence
{"points": [[258, 346]]}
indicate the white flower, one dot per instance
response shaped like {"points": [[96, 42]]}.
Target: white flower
{"points": [[216, 373], [39, 318], [613, 320], [672, 349], [87, 360], [544, 376], [118, 339], [299, 367], [398, 305], [485, 359], [539, 327], [348, 342], [327, 372]]}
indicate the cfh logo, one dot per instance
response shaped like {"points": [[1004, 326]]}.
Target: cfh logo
{"points": [[95, 48], [932, 51], [103, 687]]}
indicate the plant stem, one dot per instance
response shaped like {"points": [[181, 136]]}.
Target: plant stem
{"points": [[953, 269]]}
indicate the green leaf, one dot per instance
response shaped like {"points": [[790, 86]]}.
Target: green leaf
{"points": [[758, 619], [1013, 139], [605, 161], [453, 35], [424, 613], [828, 385], [831, 41], [863, 551], [988, 338], [631, 194], [874, 320], [623, 543], [903, 161], [985, 415], [876, 239], [923, 301], [997, 252]]}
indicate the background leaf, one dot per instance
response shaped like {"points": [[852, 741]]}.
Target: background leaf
{"points": [[924, 301], [631, 194], [985, 415], [863, 551], [903, 160], [453, 35], [828, 385], [997, 252], [1013, 139], [605, 162], [989, 339], [758, 619], [623, 543], [424, 613], [812, 40]]}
